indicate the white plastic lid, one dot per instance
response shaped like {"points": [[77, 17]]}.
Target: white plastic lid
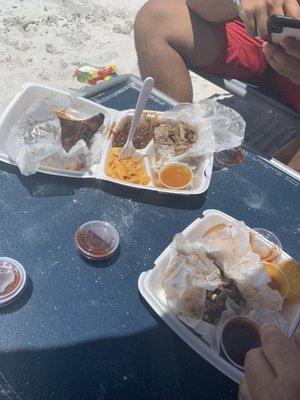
{"points": [[12, 280], [97, 240]]}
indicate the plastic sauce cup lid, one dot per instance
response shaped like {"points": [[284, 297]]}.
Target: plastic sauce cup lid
{"points": [[97, 240], [12, 280]]}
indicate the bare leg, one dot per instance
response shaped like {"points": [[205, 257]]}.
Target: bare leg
{"points": [[168, 37]]}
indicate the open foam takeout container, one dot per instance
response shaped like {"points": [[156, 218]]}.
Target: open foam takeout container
{"points": [[150, 286], [80, 108], [147, 154]]}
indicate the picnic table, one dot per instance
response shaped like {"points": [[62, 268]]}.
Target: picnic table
{"points": [[81, 330]]}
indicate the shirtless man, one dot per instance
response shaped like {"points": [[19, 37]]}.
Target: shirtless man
{"points": [[220, 37]]}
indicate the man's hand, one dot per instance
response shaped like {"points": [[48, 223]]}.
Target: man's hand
{"points": [[254, 13], [285, 59], [272, 372]]}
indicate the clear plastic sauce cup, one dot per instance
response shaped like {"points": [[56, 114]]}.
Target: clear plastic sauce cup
{"points": [[12, 280], [97, 240], [239, 335], [266, 245], [175, 175]]}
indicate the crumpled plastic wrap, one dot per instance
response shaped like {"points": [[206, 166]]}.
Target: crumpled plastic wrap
{"points": [[78, 158], [190, 272], [218, 127], [35, 140], [34, 137], [230, 247], [195, 267]]}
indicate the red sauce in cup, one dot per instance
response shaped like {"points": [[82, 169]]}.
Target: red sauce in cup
{"points": [[97, 240], [12, 279]]}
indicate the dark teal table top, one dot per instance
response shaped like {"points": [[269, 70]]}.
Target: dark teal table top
{"points": [[81, 330]]}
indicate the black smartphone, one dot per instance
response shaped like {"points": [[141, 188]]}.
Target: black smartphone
{"points": [[280, 27]]}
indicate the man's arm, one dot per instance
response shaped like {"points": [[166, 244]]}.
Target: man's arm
{"points": [[254, 13], [214, 10]]}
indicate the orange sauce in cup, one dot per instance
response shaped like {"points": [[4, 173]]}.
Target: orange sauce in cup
{"points": [[291, 269], [176, 176], [279, 280]]}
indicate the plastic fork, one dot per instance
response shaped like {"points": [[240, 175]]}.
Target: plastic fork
{"points": [[129, 149]]}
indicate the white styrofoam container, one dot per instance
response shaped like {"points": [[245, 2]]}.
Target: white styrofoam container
{"points": [[84, 108], [204, 175], [150, 286], [30, 93]]}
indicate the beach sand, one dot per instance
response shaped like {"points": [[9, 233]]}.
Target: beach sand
{"points": [[44, 42]]}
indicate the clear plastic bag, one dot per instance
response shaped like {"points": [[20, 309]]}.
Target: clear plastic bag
{"points": [[218, 128], [230, 246], [191, 133], [35, 141], [189, 274], [34, 137]]}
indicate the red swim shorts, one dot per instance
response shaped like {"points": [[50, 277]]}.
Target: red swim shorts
{"points": [[243, 58]]}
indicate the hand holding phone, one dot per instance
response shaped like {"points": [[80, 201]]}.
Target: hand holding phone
{"points": [[280, 27], [283, 53]]}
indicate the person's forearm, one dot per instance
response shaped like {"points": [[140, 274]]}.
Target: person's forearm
{"points": [[214, 10]]}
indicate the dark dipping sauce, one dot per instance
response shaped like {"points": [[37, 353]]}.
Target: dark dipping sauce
{"points": [[97, 240], [239, 336]]}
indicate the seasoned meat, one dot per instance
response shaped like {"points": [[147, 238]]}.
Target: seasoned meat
{"points": [[143, 134], [74, 130], [178, 135], [215, 302]]}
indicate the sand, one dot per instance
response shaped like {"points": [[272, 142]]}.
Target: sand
{"points": [[44, 42]]}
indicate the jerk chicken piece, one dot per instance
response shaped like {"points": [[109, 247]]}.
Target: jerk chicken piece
{"points": [[73, 130]]}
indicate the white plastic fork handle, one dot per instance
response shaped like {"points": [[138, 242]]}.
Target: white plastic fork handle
{"points": [[140, 106]]}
